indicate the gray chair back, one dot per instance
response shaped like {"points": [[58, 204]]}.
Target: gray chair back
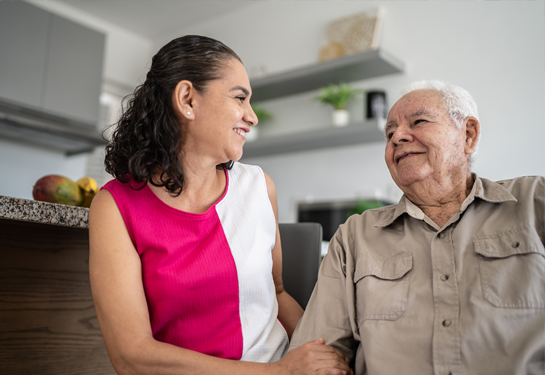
{"points": [[301, 257]]}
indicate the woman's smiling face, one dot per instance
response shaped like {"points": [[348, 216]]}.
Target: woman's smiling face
{"points": [[223, 114]]}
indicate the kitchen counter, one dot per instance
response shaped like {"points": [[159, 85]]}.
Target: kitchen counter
{"points": [[48, 323], [43, 212]]}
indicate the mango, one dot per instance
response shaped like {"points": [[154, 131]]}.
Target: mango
{"points": [[89, 188], [57, 189]]}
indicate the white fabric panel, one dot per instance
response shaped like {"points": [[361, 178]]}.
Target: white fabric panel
{"points": [[250, 227]]}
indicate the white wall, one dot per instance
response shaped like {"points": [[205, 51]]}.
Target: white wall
{"points": [[21, 166], [126, 60], [495, 50]]}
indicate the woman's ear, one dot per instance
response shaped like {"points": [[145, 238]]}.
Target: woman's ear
{"points": [[473, 132], [182, 100]]}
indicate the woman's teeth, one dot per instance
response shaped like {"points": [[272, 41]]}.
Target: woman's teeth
{"points": [[239, 132]]}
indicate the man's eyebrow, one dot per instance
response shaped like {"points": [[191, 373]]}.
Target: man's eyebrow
{"points": [[388, 126], [421, 112], [243, 89]]}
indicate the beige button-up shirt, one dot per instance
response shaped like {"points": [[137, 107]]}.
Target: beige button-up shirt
{"points": [[399, 295]]}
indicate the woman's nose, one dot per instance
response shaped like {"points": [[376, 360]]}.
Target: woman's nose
{"points": [[250, 116]]}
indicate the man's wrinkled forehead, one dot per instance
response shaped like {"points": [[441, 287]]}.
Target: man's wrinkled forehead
{"points": [[419, 112], [430, 103], [422, 112]]}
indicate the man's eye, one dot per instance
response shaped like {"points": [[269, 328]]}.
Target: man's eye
{"points": [[241, 98], [389, 135], [418, 121]]}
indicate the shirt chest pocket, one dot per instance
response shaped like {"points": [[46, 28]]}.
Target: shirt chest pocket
{"points": [[512, 267], [382, 286]]}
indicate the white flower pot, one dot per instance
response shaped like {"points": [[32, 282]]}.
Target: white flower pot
{"points": [[381, 122], [340, 117]]}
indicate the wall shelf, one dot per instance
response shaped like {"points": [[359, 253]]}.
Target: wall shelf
{"points": [[349, 68], [56, 133], [356, 133]]}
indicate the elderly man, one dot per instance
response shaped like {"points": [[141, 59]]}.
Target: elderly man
{"points": [[451, 280]]}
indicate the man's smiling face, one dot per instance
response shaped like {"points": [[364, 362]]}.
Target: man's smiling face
{"points": [[422, 140]]}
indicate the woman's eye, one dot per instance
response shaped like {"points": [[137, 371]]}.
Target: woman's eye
{"points": [[241, 98], [418, 121]]}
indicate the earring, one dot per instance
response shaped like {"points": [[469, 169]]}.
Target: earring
{"points": [[188, 113]]}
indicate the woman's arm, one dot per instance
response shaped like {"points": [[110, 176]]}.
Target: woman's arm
{"points": [[289, 311], [122, 311]]}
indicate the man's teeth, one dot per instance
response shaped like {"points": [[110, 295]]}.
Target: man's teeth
{"points": [[239, 131]]}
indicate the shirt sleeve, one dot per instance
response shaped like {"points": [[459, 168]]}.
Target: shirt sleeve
{"points": [[330, 313]]}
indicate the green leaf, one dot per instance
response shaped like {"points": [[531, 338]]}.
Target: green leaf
{"points": [[261, 113], [362, 205], [337, 95]]}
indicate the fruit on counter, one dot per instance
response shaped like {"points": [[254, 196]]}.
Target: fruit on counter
{"points": [[58, 189], [89, 188]]}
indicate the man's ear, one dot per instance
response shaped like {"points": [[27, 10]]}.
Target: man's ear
{"points": [[182, 100], [473, 132]]}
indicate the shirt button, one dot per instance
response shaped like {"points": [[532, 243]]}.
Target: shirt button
{"points": [[444, 277], [441, 235], [515, 244], [447, 323]]}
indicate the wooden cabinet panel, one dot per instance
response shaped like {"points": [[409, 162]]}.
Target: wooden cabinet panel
{"points": [[48, 323]]}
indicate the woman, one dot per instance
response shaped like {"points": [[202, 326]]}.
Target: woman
{"points": [[185, 257]]}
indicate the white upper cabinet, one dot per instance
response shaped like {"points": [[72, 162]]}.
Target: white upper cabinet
{"points": [[23, 43], [49, 65], [74, 70]]}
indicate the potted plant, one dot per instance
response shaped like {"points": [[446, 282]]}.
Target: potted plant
{"points": [[338, 96], [363, 205], [262, 116]]}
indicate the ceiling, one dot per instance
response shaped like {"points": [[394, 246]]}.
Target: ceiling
{"points": [[153, 18]]}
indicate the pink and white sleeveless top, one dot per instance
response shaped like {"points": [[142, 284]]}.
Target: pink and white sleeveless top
{"points": [[208, 277]]}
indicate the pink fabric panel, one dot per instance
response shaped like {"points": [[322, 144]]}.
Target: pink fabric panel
{"points": [[189, 274]]}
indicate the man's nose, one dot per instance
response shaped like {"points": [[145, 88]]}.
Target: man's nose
{"points": [[402, 135]]}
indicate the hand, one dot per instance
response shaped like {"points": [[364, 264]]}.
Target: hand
{"points": [[313, 358]]}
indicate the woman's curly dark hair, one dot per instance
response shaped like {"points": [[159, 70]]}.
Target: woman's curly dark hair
{"points": [[148, 137]]}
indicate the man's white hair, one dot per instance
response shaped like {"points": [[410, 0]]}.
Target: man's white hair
{"points": [[458, 102]]}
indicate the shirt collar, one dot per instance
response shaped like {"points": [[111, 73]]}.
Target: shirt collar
{"points": [[493, 192], [484, 189]]}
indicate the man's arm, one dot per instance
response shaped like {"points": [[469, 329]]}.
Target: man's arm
{"points": [[330, 312]]}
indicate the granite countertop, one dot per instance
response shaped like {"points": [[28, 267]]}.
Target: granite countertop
{"points": [[43, 212]]}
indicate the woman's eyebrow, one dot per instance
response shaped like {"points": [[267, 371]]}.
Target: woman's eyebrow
{"points": [[243, 89]]}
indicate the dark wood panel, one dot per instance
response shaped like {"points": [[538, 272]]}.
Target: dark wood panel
{"points": [[48, 322]]}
